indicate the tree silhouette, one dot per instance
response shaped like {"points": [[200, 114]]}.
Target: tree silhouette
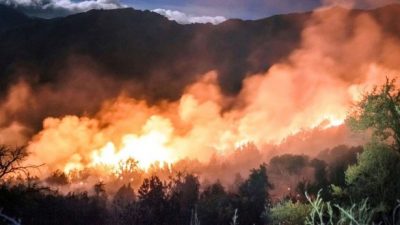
{"points": [[254, 196], [153, 201], [184, 196], [11, 161]]}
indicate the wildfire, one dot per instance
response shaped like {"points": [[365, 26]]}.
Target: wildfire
{"points": [[152, 147], [313, 89], [147, 149]]}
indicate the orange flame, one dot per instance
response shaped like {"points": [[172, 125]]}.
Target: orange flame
{"points": [[313, 88], [147, 149]]}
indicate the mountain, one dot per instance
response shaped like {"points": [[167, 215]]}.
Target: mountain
{"points": [[145, 47], [10, 17]]}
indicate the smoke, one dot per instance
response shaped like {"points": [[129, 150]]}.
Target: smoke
{"points": [[359, 3], [340, 57], [297, 106], [81, 90], [12, 132]]}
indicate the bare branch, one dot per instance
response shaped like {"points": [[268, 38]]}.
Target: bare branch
{"points": [[11, 161]]}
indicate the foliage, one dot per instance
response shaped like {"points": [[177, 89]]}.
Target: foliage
{"points": [[124, 197], [289, 213], [99, 190], [379, 110], [33, 204], [324, 213], [320, 176], [376, 176], [215, 205], [287, 163], [153, 199], [338, 159], [254, 196], [123, 205], [184, 195], [58, 178]]}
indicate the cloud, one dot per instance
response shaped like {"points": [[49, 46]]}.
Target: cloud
{"points": [[57, 8], [253, 9], [54, 8], [183, 18]]}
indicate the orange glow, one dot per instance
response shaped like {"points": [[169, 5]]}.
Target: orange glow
{"points": [[313, 89], [147, 149]]}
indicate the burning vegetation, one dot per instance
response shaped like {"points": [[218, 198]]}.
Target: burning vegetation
{"points": [[282, 150]]}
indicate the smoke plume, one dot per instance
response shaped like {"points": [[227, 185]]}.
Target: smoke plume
{"points": [[297, 106]]}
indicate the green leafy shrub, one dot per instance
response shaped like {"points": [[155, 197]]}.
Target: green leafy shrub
{"points": [[376, 176], [289, 213]]}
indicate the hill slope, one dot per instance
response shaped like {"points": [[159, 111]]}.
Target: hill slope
{"points": [[11, 18], [144, 47]]}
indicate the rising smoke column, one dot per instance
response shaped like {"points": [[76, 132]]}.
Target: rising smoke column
{"points": [[341, 55]]}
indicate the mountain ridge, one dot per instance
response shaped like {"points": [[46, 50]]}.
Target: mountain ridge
{"points": [[10, 17], [145, 47]]}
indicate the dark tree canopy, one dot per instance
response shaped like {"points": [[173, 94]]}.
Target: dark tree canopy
{"points": [[254, 196]]}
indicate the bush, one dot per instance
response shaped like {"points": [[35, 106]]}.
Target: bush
{"points": [[376, 177], [289, 213]]}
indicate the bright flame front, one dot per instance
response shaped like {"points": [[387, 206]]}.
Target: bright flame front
{"points": [[147, 149]]}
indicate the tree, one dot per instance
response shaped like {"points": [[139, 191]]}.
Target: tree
{"points": [[58, 178], [376, 176], [129, 171], [152, 190], [124, 206], [288, 164], [215, 206], [377, 172], [254, 196], [379, 110], [338, 159], [184, 196], [11, 160], [153, 201], [124, 195], [33, 204], [288, 172], [99, 189]]}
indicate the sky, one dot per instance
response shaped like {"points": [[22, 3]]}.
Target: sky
{"points": [[246, 9], [188, 11]]}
